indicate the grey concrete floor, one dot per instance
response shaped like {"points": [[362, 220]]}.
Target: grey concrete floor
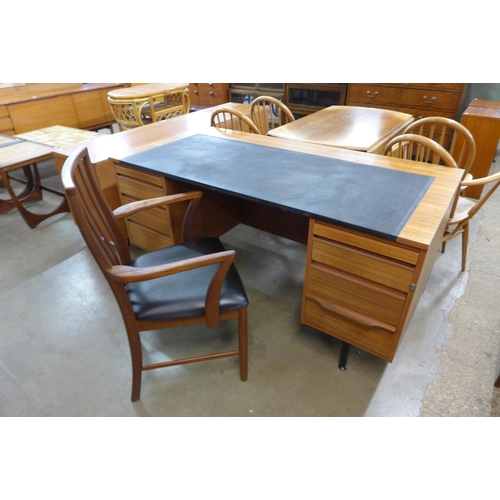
{"points": [[63, 349]]}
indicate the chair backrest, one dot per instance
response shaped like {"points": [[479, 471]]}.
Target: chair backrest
{"points": [[164, 105], [418, 148], [233, 119], [126, 112], [450, 134], [493, 179], [91, 212], [268, 113]]}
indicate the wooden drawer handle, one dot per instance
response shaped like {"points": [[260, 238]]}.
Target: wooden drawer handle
{"points": [[372, 96], [350, 315], [429, 101]]}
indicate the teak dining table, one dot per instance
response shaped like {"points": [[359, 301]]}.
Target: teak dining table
{"points": [[348, 127], [372, 224]]}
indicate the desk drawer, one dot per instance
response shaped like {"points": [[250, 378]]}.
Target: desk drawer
{"points": [[155, 180], [146, 237], [357, 330], [358, 287], [157, 218], [149, 229], [380, 303], [374, 245], [363, 264]]}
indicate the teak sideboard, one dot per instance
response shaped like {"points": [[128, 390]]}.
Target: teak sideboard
{"points": [[33, 106]]}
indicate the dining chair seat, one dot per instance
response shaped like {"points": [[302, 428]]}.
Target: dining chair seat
{"points": [[182, 295]]}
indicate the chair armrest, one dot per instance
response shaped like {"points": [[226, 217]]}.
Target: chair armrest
{"points": [[137, 206], [128, 274], [188, 223]]}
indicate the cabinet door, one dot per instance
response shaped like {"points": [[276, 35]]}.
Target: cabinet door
{"points": [[92, 108], [41, 113]]}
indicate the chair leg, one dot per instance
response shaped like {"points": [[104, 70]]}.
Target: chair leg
{"points": [[497, 381], [134, 341], [465, 242], [243, 343]]}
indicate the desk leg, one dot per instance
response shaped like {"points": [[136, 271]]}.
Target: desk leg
{"points": [[344, 355], [32, 192]]}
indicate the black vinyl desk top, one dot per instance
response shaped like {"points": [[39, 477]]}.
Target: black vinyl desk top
{"points": [[366, 198]]}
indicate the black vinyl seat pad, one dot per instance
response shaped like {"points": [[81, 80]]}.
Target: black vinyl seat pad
{"points": [[182, 295]]}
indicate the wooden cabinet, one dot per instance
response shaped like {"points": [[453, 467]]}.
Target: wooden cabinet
{"points": [[482, 119], [6, 126], [306, 98], [245, 93], [205, 95], [419, 99], [35, 106], [359, 288]]}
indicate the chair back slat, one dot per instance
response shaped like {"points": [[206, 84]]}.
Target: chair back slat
{"points": [[451, 135], [92, 213], [268, 113]]}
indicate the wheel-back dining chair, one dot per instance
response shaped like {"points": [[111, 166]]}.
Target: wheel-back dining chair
{"points": [[450, 134], [268, 113], [193, 282], [233, 119], [465, 209], [419, 148]]}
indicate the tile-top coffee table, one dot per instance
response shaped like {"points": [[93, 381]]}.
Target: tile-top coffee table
{"points": [[24, 151]]}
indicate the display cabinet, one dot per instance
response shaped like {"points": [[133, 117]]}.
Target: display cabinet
{"points": [[245, 93], [306, 98]]}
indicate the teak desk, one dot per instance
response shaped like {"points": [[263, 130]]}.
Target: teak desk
{"points": [[348, 127], [370, 248], [360, 286]]}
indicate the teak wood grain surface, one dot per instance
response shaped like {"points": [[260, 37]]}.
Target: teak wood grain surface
{"points": [[348, 127], [358, 287]]}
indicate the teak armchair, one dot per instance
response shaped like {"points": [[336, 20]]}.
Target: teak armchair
{"points": [[465, 209], [189, 283], [418, 148], [232, 119], [268, 113]]}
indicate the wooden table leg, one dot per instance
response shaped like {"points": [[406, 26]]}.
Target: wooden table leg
{"points": [[32, 192]]}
